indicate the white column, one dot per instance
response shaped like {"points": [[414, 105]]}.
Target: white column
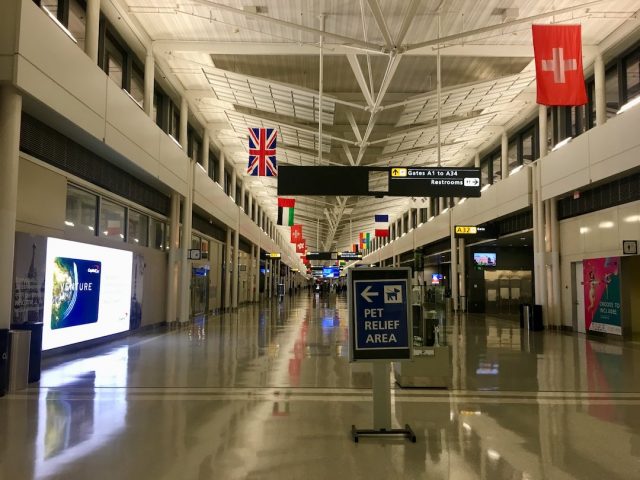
{"points": [[149, 76], [476, 159], [185, 266], [234, 277], [542, 122], [441, 203], [256, 293], [429, 209], [534, 204], [600, 94], [221, 170], [92, 30], [555, 263], [505, 154], [227, 271], [172, 264], [454, 263], [10, 111], [542, 298], [463, 274], [184, 122], [205, 150]]}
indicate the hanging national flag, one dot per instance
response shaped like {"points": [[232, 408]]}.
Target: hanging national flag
{"points": [[285, 211], [382, 225], [558, 56], [364, 241], [262, 152], [354, 248], [296, 233], [301, 246]]}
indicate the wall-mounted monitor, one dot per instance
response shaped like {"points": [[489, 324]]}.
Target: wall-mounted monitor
{"points": [[87, 292], [484, 259], [436, 278]]}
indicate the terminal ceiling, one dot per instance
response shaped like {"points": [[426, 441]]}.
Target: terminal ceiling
{"points": [[247, 63]]}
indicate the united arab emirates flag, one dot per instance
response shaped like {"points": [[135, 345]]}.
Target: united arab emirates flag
{"points": [[285, 211]]}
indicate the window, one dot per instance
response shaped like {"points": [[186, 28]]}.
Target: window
{"points": [[112, 223], [82, 208], [238, 193], [496, 164], [512, 155], [114, 61], [174, 121], [405, 223], [632, 76], [136, 88], [138, 229], [246, 201], [213, 166], [414, 218], [611, 91], [77, 21], [227, 182], [485, 173], [528, 146], [158, 239], [194, 144]]}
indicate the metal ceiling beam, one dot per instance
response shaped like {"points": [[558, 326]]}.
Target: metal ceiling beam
{"points": [[374, 6], [273, 48], [347, 41], [354, 126], [347, 152], [362, 82], [407, 21], [500, 26]]}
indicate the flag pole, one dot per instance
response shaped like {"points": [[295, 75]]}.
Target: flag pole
{"points": [[320, 88]]}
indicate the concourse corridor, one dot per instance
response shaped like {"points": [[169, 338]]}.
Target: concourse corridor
{"points": [[269, 393]]}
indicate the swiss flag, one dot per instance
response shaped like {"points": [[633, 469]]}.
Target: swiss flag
{"points": [[559, 74], [301, 246]]}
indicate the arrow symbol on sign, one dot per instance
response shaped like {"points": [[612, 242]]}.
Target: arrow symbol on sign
{"points": [[366, 294]]}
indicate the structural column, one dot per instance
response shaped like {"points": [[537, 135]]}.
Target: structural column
{"points": [[227, 270], [463, 274], [555, 262], [454, 263], [10, 111], [232, 189], [242, 192], [476, 159], [92, 30], [172, 264], [185, 267], [539, 225], [600, 93], [149, 78], [256, 292], [184, 122], [205, 150], [235, 275], [505, 154]]}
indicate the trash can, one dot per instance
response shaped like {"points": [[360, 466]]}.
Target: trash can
{"points": [[525, 316], [4, 361], [35, 349], [536, 319], [19, 359]]}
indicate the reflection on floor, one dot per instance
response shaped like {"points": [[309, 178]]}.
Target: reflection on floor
{"points": [[269, 393]]}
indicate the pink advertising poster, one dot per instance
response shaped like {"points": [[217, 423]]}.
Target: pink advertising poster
{"points": [[602, 295]]}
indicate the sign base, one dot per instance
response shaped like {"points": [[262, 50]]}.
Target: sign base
{"points": [[405, 432]]}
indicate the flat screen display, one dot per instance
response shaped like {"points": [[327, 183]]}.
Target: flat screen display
{"points": [[87, 292], [436, 278], [484, 259], [331, 272]]}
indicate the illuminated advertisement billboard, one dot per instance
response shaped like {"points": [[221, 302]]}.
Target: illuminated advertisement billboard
{"points": [[87, 292]]}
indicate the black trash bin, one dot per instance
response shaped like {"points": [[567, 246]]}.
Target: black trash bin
{"points": [[35, 348], [536, 319], [4, 362]]}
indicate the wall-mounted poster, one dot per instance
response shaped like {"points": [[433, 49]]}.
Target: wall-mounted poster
{"points": [[601, 283]]}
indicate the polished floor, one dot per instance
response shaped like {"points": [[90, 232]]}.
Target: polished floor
{"points": [[269, 393]]}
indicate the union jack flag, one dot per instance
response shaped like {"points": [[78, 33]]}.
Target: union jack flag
{"points": [[262, 152]]}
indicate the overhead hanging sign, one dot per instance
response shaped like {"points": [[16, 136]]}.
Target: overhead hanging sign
{"points": [[272, 255], [349, 256], [434, 182], [321, 255]]}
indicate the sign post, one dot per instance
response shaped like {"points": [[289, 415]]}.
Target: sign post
{"points": [[380, 331]]}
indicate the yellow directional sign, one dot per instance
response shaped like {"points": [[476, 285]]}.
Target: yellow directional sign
{"points": [[466, 230], [398, 172]]}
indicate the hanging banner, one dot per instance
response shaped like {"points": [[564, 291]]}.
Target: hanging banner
{"points": [[301, 246], [601, 283], [296, 233]]}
